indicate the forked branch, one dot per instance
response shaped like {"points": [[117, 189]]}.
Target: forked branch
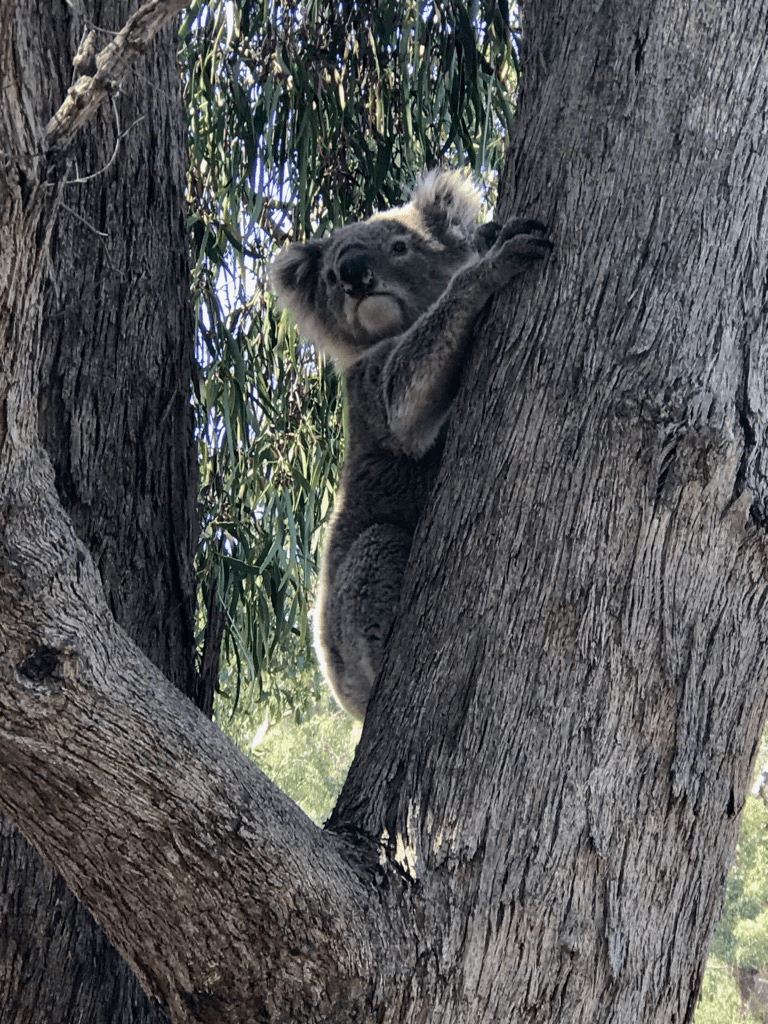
{"points": [[112, 64]]}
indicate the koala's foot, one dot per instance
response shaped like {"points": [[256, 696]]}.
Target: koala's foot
{"points": [[357, 611]]}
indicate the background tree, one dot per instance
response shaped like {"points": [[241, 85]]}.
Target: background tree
{"points": [[97, 334], [573, 901]]}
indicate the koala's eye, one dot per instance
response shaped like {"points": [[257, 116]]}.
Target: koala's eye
{"points": [[399, 247], [331, 275]]}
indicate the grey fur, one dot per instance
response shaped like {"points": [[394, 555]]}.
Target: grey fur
{"points": [[393, 301]]}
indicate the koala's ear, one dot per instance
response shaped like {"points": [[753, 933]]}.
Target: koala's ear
{"points": [[449, 204], [295, 273]]}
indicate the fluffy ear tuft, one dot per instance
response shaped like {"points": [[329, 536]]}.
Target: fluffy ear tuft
{"points": [[449, 203], [294, 275]]}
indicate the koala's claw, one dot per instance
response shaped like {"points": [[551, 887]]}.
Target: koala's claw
{"points": [[523, 241], [522, 227], [538, 248]]}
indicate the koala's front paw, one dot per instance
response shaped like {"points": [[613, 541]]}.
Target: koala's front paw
{"points": [[519, 244], [528, 234], [486, 236]]}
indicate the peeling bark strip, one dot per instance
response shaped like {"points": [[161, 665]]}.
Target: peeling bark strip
{"points": [[111, 65]]}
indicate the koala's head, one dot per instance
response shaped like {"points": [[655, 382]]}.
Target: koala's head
{"points": [[372, 280]]}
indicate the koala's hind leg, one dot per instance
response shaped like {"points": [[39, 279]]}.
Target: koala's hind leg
{"points": [[357, 609]]}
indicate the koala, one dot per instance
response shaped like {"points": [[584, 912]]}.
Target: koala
{"points": [[392, 300]]}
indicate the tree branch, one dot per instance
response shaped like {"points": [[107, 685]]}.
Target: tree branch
{"points": [[112, 64], [218, 891]]}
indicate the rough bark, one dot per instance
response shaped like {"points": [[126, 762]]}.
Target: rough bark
{"points": [[577, 681], [118, 357], [114, 359], [207, 879], [588, 630]]}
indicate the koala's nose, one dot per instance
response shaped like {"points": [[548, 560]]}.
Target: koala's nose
{"points": [[356, 275]]}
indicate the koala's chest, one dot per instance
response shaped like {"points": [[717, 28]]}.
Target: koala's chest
{"points": [[380, 483]]}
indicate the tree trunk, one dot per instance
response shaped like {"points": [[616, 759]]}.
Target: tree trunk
{"points": [[577, 681], [114, 361], [585, 616]]}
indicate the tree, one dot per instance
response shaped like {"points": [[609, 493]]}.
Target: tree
{"points": [[97, 328], [577, 678]]}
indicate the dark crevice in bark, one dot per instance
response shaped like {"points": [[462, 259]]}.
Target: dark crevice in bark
{"points": [[758, 511]]}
